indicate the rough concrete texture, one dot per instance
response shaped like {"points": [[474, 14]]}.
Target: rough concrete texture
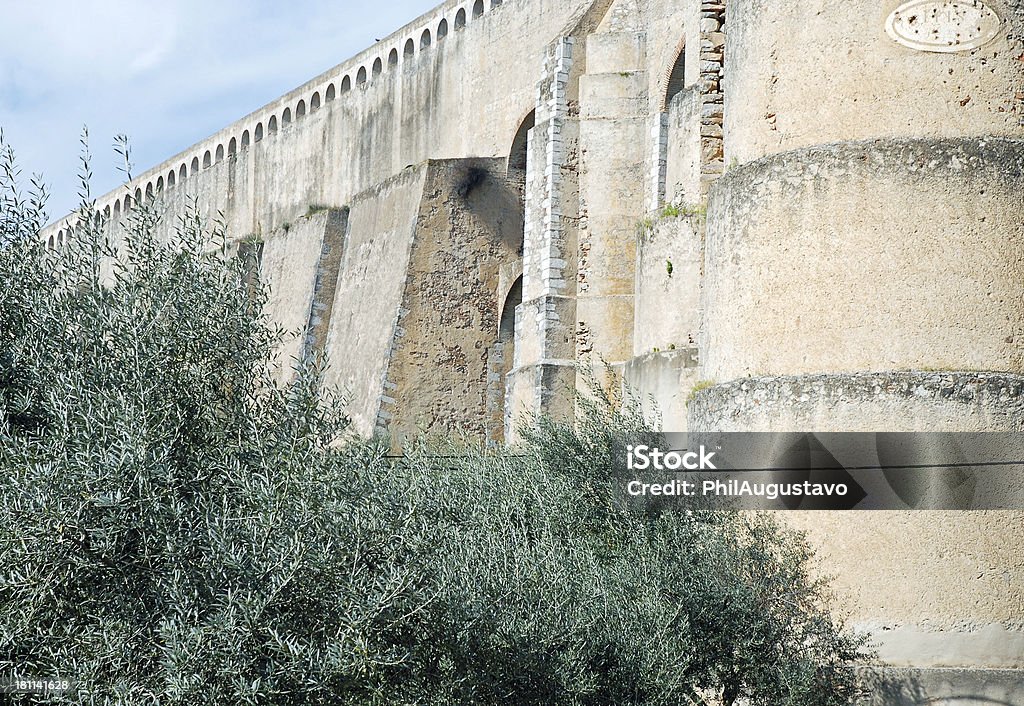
{"points": [[965, 687], [935, 589], [469, 224], [882, 401], [669, 265], [368, 292], [802, 74], [888, 254], [662, 381]]}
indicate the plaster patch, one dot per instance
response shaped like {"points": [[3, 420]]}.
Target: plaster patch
{"points": [[943, 26]]}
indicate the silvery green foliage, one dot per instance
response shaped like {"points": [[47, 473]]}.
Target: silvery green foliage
{"points": [[178, 528]]}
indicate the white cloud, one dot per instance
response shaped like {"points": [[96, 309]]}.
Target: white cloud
{"points": [[166, 73]]}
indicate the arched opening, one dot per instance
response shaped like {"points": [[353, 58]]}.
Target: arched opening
{"points": [[314, 102], [478, 8], [460, 19], [182, 173], [442, 30], [361, 76], [117, 207], [331, 93], [232, 147], [127, 203], [378, 67], [106, 211], [676, 78], [410, 48], [49, 243], [518, 152], [272, 124], [504, 353], [149, 191], [393, 59], [207, 159], [170, 178], [425, 40], [219, 155], [346, 84], [258, 135], [138, 195], [195, 166], [160, 183], [300, 109], [286, 116]]}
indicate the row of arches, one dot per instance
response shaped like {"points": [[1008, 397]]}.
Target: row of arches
{"points": [[124, 203]]}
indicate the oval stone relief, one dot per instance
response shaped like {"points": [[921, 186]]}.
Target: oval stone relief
{"points": [[943, 25]]}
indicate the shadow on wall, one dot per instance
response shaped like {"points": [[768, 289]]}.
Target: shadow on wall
{"points": [[497, 203]]}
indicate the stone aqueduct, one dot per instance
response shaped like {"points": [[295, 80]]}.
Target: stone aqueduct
{"points": [[768, 214]]}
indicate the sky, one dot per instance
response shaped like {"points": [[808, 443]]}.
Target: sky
{"points": [[166, 74]]}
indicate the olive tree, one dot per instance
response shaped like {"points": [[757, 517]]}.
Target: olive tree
{"points": [[178, 527]]}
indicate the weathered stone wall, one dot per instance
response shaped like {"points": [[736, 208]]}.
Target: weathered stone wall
{"points": [[469, 227], [880, 255], [368, 293], [800, 76]]}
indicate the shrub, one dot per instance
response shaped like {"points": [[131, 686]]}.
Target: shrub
{"points": [[178, 528]]}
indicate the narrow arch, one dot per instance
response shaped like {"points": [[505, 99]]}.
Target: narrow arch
{"points": [[346, 84], [232, 147], [425, 40], [314, 102], [478, 8], [170, 178], [49, 243], [258, 134], [286, 116], [207, 159], [513, 298], [127, 203], [393, 59], [378, 67], [272, 124], [138, 194], [149, 191], [117, 207], [410, 48], [106, 210], [219, 155], [442, 30], [182, 173], [300, 109], [245, 139], [195, 166], [518, 151], [505, 348], [331, 93], [160, 183], [676, 78], [460, 19], [361, 76]]}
